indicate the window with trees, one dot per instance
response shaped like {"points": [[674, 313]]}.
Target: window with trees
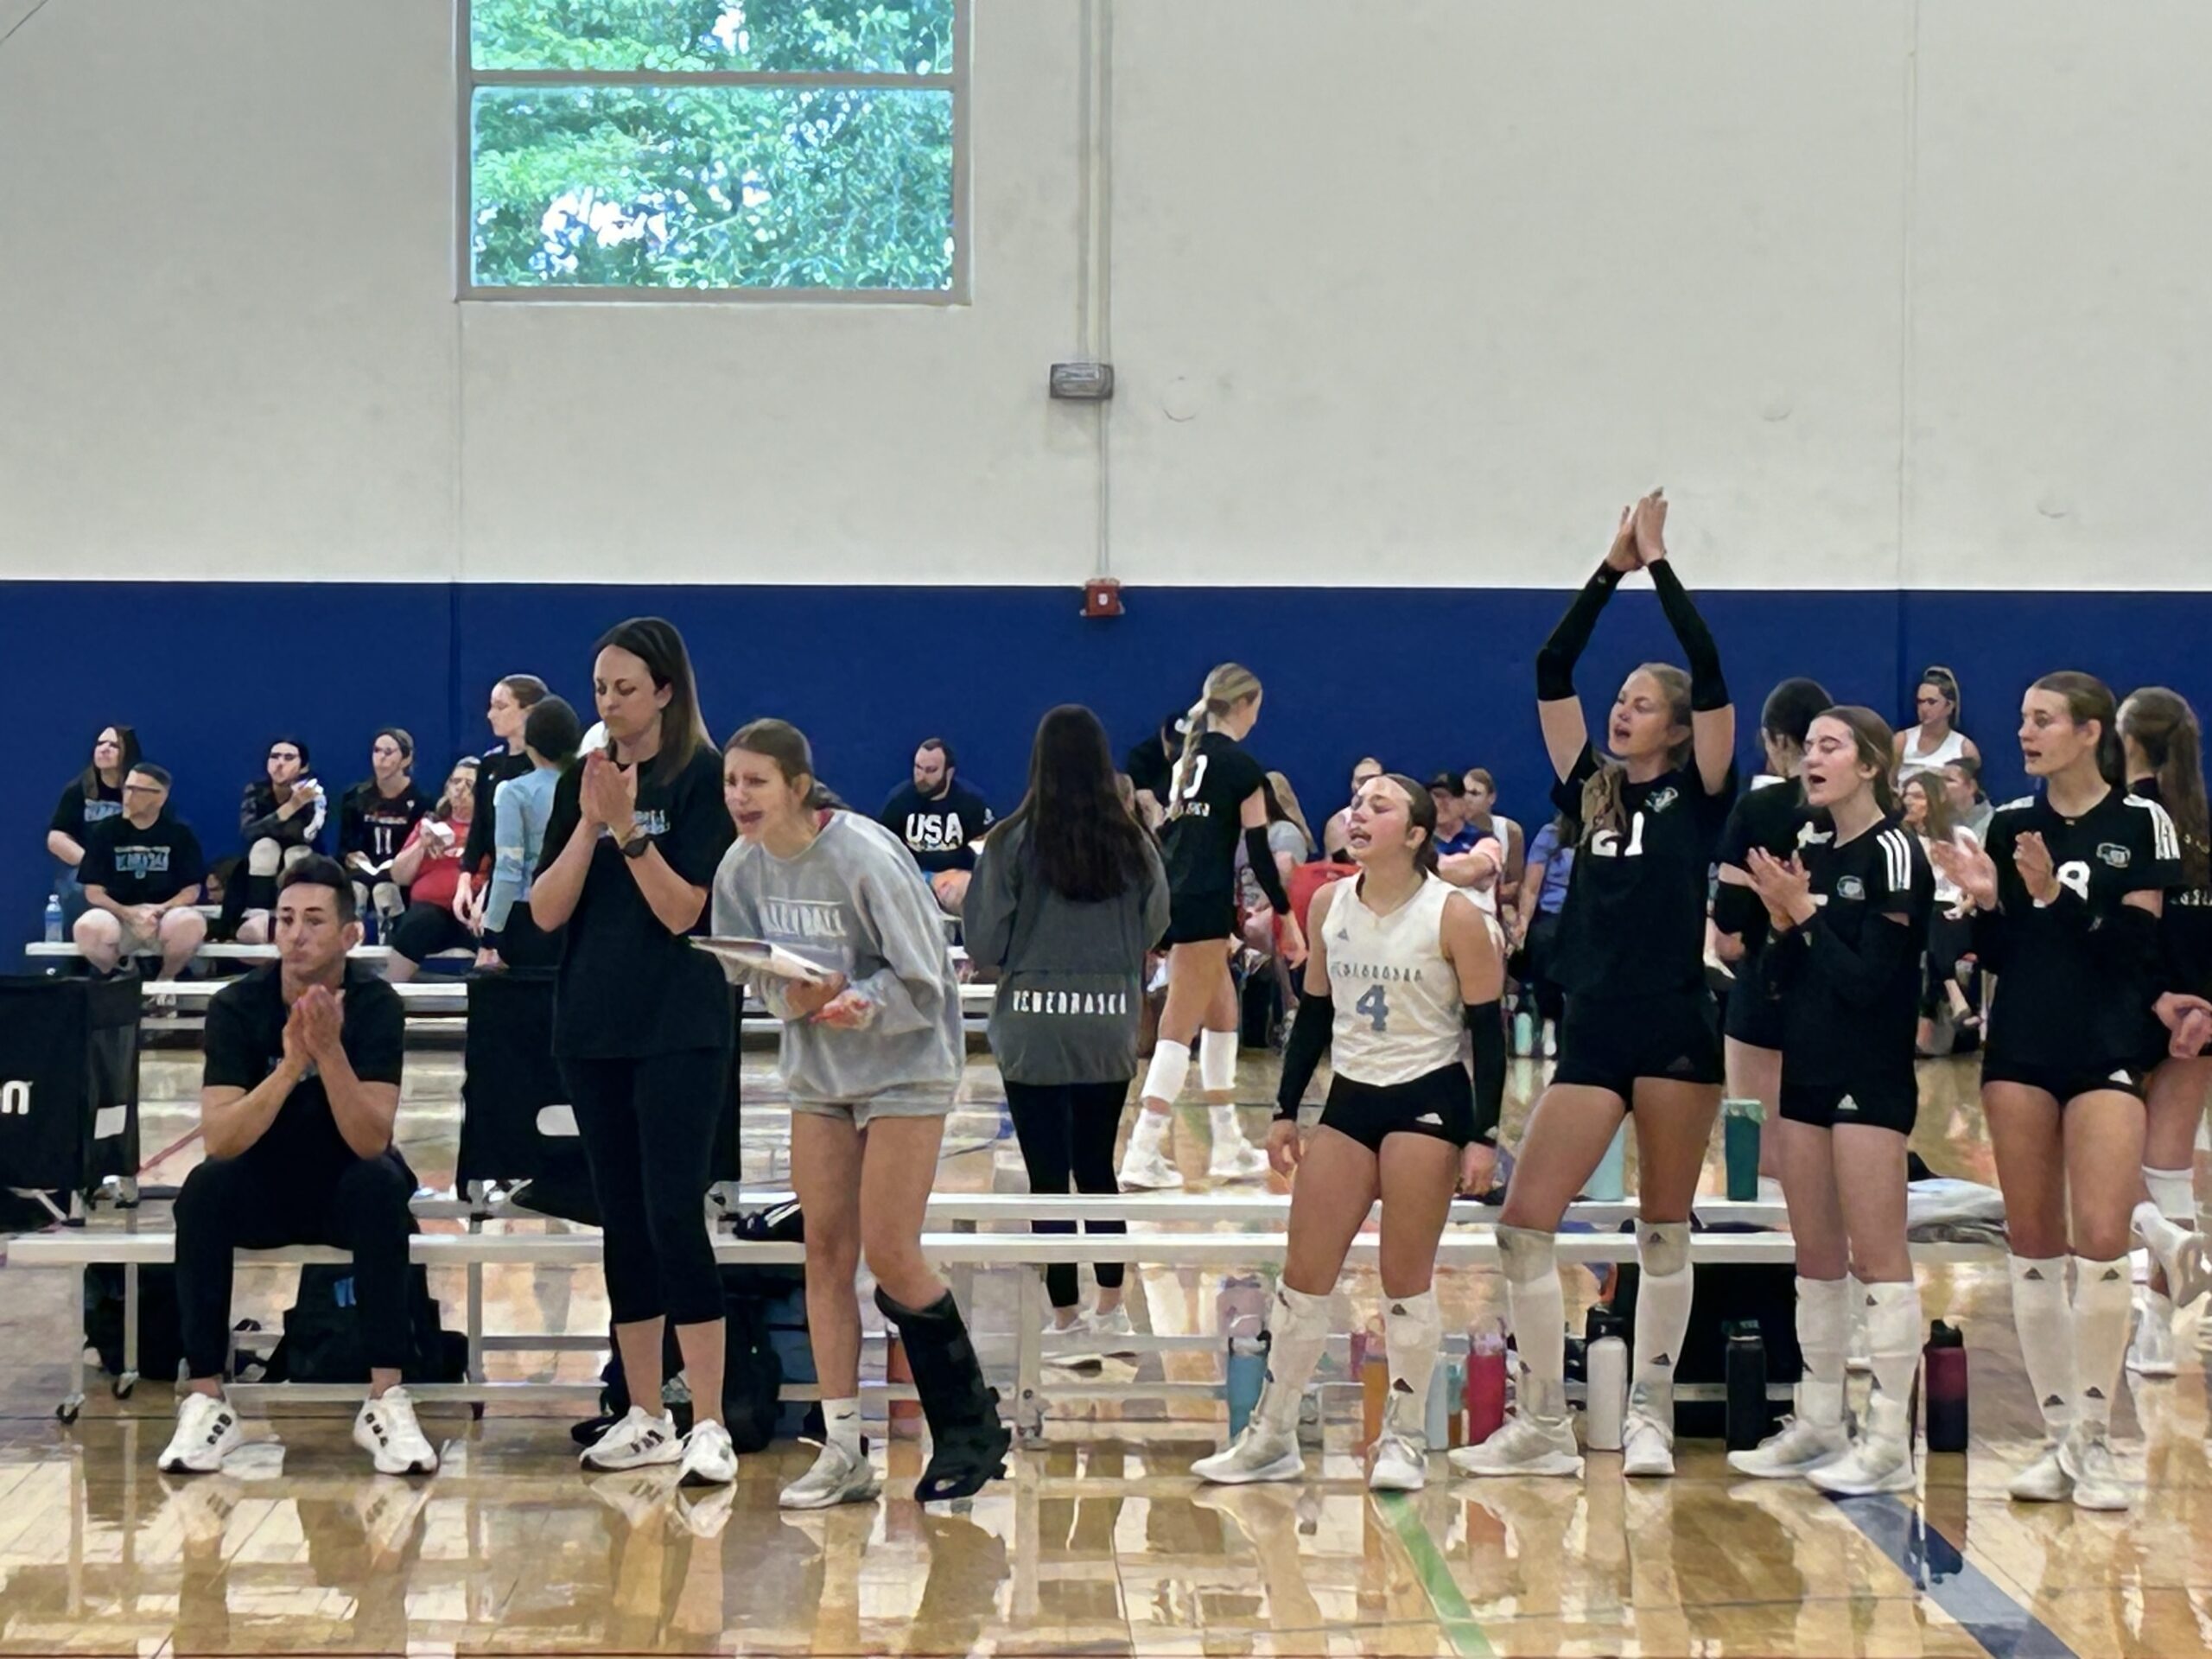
{"points": [[724, 149]]}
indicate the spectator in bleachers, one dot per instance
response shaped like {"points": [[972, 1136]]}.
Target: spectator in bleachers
{"points": [[1151, 763], [941, 820], [1290, 842], [1480, 790], [297, 1108], [429, 868], [1970, 805], [1950, 982], [1333, 844], [141, 870], [1466, 856], [94, 794], [375, 817], [1932, 741], [280, 822], [521, 809], [1535, 924], [512, 699]]}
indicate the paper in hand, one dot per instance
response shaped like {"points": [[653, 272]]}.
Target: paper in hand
{"points": [[743, 959]]}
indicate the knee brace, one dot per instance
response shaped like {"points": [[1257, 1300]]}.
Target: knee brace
{"points": [[1171, 1064], [1526, 1254], [264, 857], [1216, 1061], [1663, 1248], [2174, 1191]]}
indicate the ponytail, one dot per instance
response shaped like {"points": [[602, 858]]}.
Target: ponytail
{"points": [[1228, 685], [2165, 728]]}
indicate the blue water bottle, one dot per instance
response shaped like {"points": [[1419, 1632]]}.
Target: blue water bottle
{"points": [[1247, 1372], [53, 918], [1524, 1034]]}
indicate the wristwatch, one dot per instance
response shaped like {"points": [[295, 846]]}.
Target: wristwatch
{"points": [[638, 842]]}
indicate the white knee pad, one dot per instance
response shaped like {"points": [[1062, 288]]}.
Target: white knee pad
{"points": [[294, 854], [2174, 1191], [264, 857], [1526, 1254], [1216, 1061], [1171, 1064], [387, 899], [1663, 1248]]}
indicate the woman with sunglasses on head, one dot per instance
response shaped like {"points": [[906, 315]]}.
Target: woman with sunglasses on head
{"points": [[2068, 895], [1638, 1035], [1418, 968], [1934, 741]]}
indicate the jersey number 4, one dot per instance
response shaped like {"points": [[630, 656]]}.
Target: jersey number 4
{"points": [[1376, 1006], [1606, 843]]}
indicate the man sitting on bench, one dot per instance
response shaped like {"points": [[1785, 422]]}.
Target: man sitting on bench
{"points": [[141, 872], [297, 1108]]}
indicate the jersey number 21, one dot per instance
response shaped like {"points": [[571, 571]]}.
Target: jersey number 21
{"points": [[1606, 843]]}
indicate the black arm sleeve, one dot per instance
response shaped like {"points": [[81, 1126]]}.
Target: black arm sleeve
{"points": [[1486, 1025], [1708, 690], [1264, 868], [1556, 660], [1302, 1054], [1861, 976]]}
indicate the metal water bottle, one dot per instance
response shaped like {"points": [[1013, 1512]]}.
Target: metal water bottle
{"points": [[1744, 1370], [1604, 1382], [1247, 1372], [1944, 1366]]}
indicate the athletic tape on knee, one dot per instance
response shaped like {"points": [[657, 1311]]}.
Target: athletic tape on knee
{"points": [[264, 857], [1893, 1336], [2174, 1191], [1171, 1064], [1216, 1061], [2104, 1300], [2044, 1321], [1662, 1303], [1298, 1330], [1412, 1333], [1823, 1329]]}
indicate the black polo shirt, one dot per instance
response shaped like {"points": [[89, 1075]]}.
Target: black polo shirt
{"points": [[244, 1042]]}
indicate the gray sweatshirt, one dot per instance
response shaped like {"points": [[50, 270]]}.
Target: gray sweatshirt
{"points": [[1073, 985], [853, 901]]}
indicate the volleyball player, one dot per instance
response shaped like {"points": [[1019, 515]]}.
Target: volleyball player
{"points": [[1217, 798], [871, 1059], [2068, 893], [1849, 909], [1638, 1032], [2164, 750], [642, 1029], [511, 699], [1768, 818], [1417, 965], [1934, 741]]}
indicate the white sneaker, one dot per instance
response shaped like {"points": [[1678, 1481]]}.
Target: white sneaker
{"points": [[2152, 1352], [1091, 1337], [1401, 1464], [709, 1459], [2188, 1266], [1236, 1161], [207, 1433], [637, 1440], [1522, 1446], [1259, 1454], [2088, 1462], [1647, 1445], [1879, 1461], [386, 1428], [1795, 1450], [837, 1477], [1149, 1171], [2044, 1481]]}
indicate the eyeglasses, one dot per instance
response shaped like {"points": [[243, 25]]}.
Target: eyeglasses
{"points": [[141, 789]]}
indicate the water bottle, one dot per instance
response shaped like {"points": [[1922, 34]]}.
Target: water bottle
{"points": [[1608, 1182], [1945, 1359], [1485, 1384], [1455, 1402], [1740, 1145], [1374, 1385], [1744, 1371], [1524, 1034], [1247, 1372], [1605, 1390], [53, 918], [1436, 1423]]}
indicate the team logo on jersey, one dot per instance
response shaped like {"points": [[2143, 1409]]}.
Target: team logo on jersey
{"points": [[1661, 800], [1850, 886], [1847, 1104], [1810, 836], [2114, 853]]}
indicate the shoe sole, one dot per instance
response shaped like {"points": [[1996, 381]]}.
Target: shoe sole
{"points": [[1865, 1487], [1412, 1483], [1648, 1471], [1281, 1469], [2099, 1505], [1174, 1185], [866, 1494], [694, 1479], [1793, 1472], [2160, 1368], [1559, 1466], [2063, 1495], [182, 1466], [598, 1468]]}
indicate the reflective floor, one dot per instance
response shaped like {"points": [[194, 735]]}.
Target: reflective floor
{"points": [[1101, 1543]]}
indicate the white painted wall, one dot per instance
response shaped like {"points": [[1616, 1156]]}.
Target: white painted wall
{"points": [[1404, 292]]}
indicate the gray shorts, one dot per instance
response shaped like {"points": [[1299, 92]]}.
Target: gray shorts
{"points": [[861, 1113]]}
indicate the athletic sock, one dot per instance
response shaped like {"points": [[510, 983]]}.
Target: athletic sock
{"points": [[840, 1425], [2103, 1302], [1893, 1337], [1298, 1330], [2044, 1318], [1413, 1330], [1537, 1306], [1823, 1321]]}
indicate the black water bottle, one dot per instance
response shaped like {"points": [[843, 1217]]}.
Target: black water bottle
{"points": [[1944, 1366], [1743, 1369]]}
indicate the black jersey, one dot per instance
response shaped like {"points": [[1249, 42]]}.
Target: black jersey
{"points": [[1634, 923], [2185, 925], [1849, 978], [1205, 816], [2070, 995], [496, 767], [375, 825], [1769, 817]]}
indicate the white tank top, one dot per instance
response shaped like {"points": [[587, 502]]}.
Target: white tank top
{"points": [[1953, 747], [1397, 1000]]}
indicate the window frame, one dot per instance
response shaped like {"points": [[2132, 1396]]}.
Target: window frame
{"points": [[469, 78]]}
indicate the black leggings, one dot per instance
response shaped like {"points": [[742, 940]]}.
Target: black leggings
{"points": [[1067, 1130], [231, 1204], [648, 1129], [523, 944], [425, 930]]}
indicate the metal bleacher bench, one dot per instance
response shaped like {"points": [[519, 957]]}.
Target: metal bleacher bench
{"points": [[953, 1241]]}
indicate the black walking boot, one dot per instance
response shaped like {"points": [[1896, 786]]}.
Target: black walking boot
{"points": [[967, 1444]]}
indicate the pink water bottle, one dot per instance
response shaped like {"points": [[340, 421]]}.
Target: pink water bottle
{"points": [[1485, 1382]]}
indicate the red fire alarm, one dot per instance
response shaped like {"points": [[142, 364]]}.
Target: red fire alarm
{"points": [[1102, 596]]}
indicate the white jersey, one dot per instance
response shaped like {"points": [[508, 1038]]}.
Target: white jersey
{"points": [[1397, 1000]]}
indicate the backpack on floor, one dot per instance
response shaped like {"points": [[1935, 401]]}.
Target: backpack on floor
{"points": [[323, 1333], [161, 1332]]}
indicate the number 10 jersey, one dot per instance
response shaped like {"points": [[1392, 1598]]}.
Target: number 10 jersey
{"points": [[1397, 1000]]}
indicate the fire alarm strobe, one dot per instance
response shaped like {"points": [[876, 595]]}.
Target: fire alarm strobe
{"points": [[1082, 382], [1102, 597]]}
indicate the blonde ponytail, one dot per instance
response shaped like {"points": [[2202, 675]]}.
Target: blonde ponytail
{"points": [[1228, 685]]}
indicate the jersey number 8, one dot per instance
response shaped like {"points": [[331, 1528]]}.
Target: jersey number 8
{"points": [[1606, 843], [1376, 1006]]}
